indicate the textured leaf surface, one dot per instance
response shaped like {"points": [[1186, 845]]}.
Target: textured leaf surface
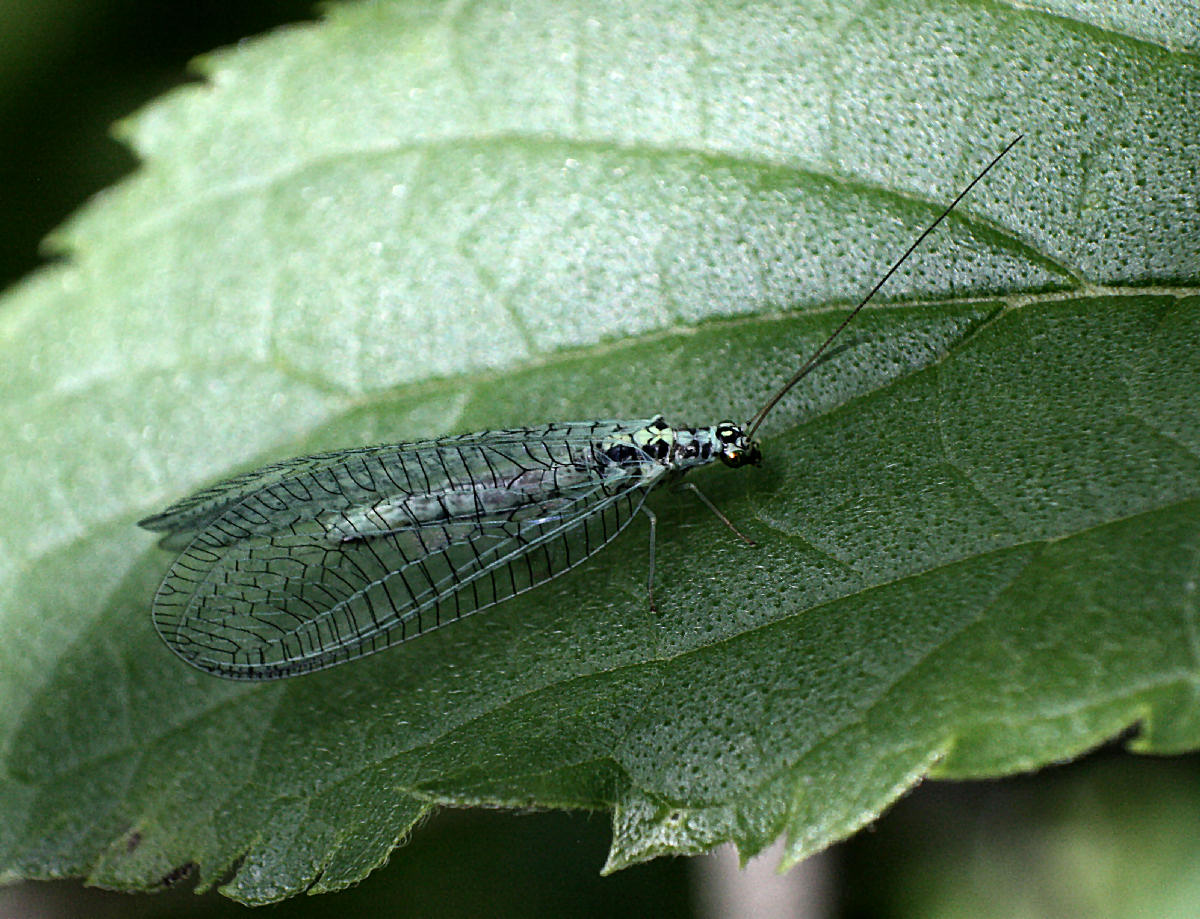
{"points": [[978, 526]]}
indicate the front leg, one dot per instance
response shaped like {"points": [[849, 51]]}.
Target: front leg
{"points": [[690, 486]]}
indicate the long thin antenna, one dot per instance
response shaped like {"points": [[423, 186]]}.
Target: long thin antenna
{"points": [[812, 360]]}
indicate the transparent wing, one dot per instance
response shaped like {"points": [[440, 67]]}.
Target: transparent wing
{"points": [[184, 519], [369, 548]]}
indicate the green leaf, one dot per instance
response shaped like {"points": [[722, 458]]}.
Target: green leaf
{"points": [[978, 526]]}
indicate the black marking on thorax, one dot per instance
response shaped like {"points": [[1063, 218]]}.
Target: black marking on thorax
{"points": [[692, 446]]}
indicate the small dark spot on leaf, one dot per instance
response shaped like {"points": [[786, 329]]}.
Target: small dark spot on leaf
{"points": [[1131, 733], [171, 878], [132, 841]]}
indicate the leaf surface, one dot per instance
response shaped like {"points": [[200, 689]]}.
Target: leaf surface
{"points": [[978, 525]]}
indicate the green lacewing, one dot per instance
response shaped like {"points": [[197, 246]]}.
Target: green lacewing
{"points": [[317, 560]]}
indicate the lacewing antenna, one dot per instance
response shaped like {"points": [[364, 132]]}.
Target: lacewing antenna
{"points": [[815, 357]]}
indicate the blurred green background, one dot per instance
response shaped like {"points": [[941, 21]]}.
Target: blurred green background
{"points": [[1111, 836]]}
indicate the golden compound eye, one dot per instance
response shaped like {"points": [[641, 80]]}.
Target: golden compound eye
{"points": [[733, 455]]}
